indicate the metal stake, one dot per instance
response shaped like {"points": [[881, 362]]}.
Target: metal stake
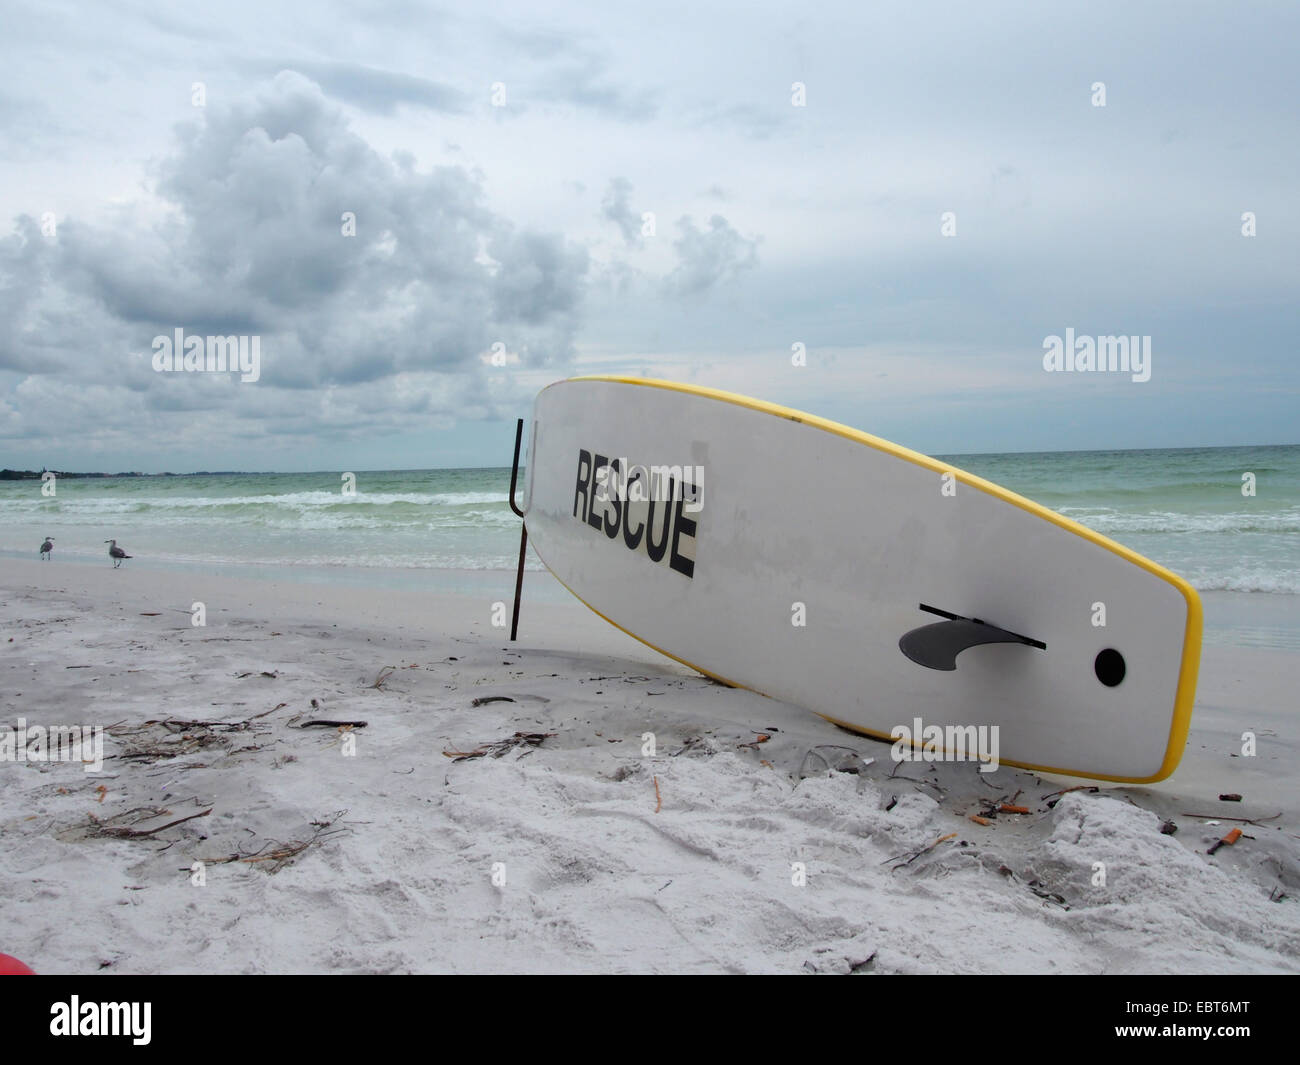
{"points": [[523, 531]]}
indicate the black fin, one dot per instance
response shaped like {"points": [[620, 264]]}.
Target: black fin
{"points": [[937, 646]]}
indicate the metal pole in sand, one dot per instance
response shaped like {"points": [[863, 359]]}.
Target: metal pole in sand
{"points": [[523, 531]]}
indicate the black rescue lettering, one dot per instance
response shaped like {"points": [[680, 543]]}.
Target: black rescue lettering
{"points": [[682, 526], [656, 551], [615, 504], [593, 515], [632, 541], [615, 513], [584, 481]]}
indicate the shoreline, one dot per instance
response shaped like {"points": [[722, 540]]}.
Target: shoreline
{"points": [[1232, 618]]}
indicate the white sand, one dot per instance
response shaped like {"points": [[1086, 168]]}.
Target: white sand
{"points": [[596, 879]]}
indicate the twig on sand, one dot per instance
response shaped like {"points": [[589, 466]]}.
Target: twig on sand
{"points": [[1040, 889], [484, 700], [911, 856], [283, 852], [381, 678], [1066, 791], [849, 761], [1245, 820], [332, 724], [176, 724], [1055, 796], [127, 832], [659, 799], [499, 747], [180, 737], [918, 780]]}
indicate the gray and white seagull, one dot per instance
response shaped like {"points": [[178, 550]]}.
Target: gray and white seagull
{"points": [[116, 553], [47, 548]]}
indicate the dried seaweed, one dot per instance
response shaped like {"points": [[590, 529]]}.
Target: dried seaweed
{"points": [[912, 856], [282, 853], [164, 738], [497, 748], [125, 829]]}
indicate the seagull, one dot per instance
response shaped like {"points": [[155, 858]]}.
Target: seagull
{"points": [[116, 553], [47, 548]]}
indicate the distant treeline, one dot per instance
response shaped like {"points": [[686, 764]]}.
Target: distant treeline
{"points": [[35, 475]]}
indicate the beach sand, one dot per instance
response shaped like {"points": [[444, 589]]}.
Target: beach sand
{"points": [[686, 860]]}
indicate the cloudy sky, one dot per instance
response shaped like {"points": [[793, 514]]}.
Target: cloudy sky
{"points": [[587, 189]]}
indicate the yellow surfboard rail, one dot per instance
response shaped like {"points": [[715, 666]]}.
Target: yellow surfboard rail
{"points": [[1185, 696]]}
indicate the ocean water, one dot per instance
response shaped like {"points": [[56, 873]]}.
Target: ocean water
{"points": [[1183, 508]]}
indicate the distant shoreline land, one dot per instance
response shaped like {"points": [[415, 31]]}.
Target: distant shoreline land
{"points": [[36, 475]]}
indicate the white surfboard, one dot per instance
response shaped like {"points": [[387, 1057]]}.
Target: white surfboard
{"points": [[800, 558]]}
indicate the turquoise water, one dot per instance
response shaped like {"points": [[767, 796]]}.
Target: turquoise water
{"points": [[427, 519], [1183, 508]]}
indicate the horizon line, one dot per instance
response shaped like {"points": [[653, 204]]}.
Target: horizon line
{"points": [[443, 469]]}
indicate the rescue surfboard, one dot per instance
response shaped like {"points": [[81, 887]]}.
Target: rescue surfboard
{"points": [[817, 564]]}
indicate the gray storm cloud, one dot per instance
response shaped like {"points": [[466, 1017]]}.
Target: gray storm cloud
{"points": [[617, 208], [380, 92], [1118, 219], [708, 257], [258, 194]]}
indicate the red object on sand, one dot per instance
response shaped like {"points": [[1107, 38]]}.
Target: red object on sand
{"points": [[13, 967]]}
